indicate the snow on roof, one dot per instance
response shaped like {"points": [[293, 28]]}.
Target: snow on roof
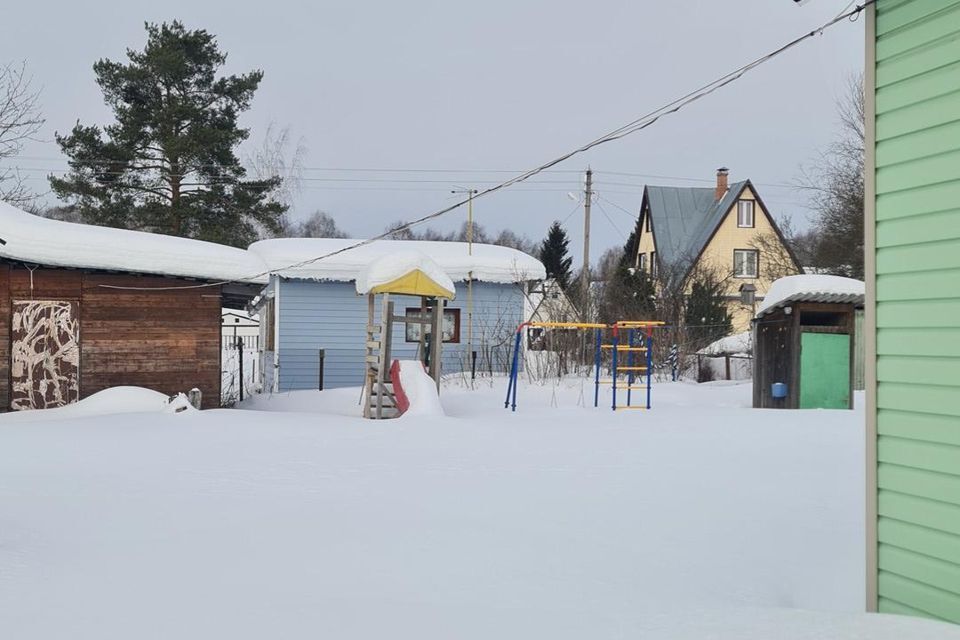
{"points": [[36, 240], [394, 266], [488, 263], [736, 344], [33, 239], [811, 288]]}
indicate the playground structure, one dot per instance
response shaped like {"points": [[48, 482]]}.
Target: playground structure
{"points": [[407, 274], [631, 359]]}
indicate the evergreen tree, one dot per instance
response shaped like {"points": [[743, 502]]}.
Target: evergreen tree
{"points": [[168, 164], [555, 256], [629, 294], [706, 314]]}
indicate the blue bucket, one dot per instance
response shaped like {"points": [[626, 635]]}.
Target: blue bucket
{"points": [[778, 390]]}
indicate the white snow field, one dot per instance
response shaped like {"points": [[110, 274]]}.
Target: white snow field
{"points": [[298, 519]]}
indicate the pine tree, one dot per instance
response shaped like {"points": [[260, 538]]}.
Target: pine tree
{"points": [[629, 294], [555, 256], [168, 163], [706, 315]]}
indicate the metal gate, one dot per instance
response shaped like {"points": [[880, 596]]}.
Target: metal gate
{"points": [[45, 354]]}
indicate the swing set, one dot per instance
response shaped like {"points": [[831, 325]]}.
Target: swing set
{"points": [[631, 359]]}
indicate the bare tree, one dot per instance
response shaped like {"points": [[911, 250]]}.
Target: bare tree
{"points": [[20, 120], [279, 156], [835, 184], [320, 224], [776, 260]]}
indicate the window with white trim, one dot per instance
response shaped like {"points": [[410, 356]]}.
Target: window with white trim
{"points": [[745, 213], [642, 263], [746, 263]]}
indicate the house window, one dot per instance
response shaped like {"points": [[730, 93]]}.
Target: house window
{"points": [[653, 264], [642, 262], [450, 327], [745, 213], [745, 263], [646, 222]]}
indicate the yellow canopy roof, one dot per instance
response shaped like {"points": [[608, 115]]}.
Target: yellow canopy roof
{"points": [[414, 283]]}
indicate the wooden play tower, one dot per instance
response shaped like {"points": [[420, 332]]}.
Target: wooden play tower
{"points": [[412, 275]]}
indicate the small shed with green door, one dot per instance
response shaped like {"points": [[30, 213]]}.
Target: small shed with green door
{"points": [[803, 352]]}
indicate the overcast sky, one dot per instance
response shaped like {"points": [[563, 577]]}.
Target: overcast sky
{"points": [[483, 86]]}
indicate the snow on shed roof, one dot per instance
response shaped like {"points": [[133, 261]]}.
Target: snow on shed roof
{"points": [[410, 272], [488, 263], [811, 288], [734, 344], [37, 240]]}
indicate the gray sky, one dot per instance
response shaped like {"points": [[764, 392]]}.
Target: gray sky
{"points": [[496, 85]]}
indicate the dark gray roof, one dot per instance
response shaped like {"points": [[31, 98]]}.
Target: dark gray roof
{"points": [[684, 219]]}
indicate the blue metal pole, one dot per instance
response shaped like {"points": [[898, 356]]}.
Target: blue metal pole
{"points": [[511, 386], [630, 359], [649, 366], [616, 339], [596, 381], [516, 369]]}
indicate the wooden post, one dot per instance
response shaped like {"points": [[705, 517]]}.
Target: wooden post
{"points": [[436, 339], [385, 322], [367, 378], [240, 356], [726, 359]]}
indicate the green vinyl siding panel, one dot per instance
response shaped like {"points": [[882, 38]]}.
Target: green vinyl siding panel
{"points": [[917, 252]]}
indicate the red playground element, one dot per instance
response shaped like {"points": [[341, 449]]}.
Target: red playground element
{"points": [[403, 403]]}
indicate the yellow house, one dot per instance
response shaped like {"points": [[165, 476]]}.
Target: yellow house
{"points": [[726, 229]]}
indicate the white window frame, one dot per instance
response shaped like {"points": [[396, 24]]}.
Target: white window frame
{"points": [[642, 262], [756, 263], [745, 209]]}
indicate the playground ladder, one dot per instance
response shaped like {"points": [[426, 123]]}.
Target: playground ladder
{"points": [[379, 401]]}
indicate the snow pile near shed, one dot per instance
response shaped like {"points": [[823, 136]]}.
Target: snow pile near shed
{"points": [[396, 265], [115, 400], [37, 240], [738, 343], [811, 288], [488, 263]]}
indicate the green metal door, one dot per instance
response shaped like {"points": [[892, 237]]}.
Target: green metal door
{"points": [[824, 371]]}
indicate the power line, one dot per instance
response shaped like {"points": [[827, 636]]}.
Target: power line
{"points": [[609, 219], [632, 127]]}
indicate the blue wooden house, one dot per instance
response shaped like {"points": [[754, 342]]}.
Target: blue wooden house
{"points": [[313, 322]]}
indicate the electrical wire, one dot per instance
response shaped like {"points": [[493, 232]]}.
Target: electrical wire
{"points": [[610, 220], [619, 133]]}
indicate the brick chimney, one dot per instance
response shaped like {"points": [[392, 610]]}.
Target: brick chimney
{"points": [[722, 174]]}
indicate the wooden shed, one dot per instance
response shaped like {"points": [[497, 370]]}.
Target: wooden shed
{"points": [[804, 343], [86, 308]]}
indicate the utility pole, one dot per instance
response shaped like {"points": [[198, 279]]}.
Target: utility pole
{"points": [[585, 274], [470, 193]]}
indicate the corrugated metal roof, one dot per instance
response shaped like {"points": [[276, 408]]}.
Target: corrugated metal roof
{"points": [[811, 288], [684, 219], [838, 298]]}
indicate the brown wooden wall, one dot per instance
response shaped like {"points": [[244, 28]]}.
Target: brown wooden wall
{"points": [[168, 341], [4, 338]]}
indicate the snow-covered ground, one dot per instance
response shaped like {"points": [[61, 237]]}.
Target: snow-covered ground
{"points": [[297, 519]]}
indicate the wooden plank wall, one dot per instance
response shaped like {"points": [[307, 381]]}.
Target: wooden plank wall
{"points": [[168, 341], [4, 337]]}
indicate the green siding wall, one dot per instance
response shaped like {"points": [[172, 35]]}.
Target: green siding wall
{"points": [[918, 306]]}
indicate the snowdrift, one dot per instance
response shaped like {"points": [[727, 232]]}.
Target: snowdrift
{"points": [[416, 391], [107, 402]]}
